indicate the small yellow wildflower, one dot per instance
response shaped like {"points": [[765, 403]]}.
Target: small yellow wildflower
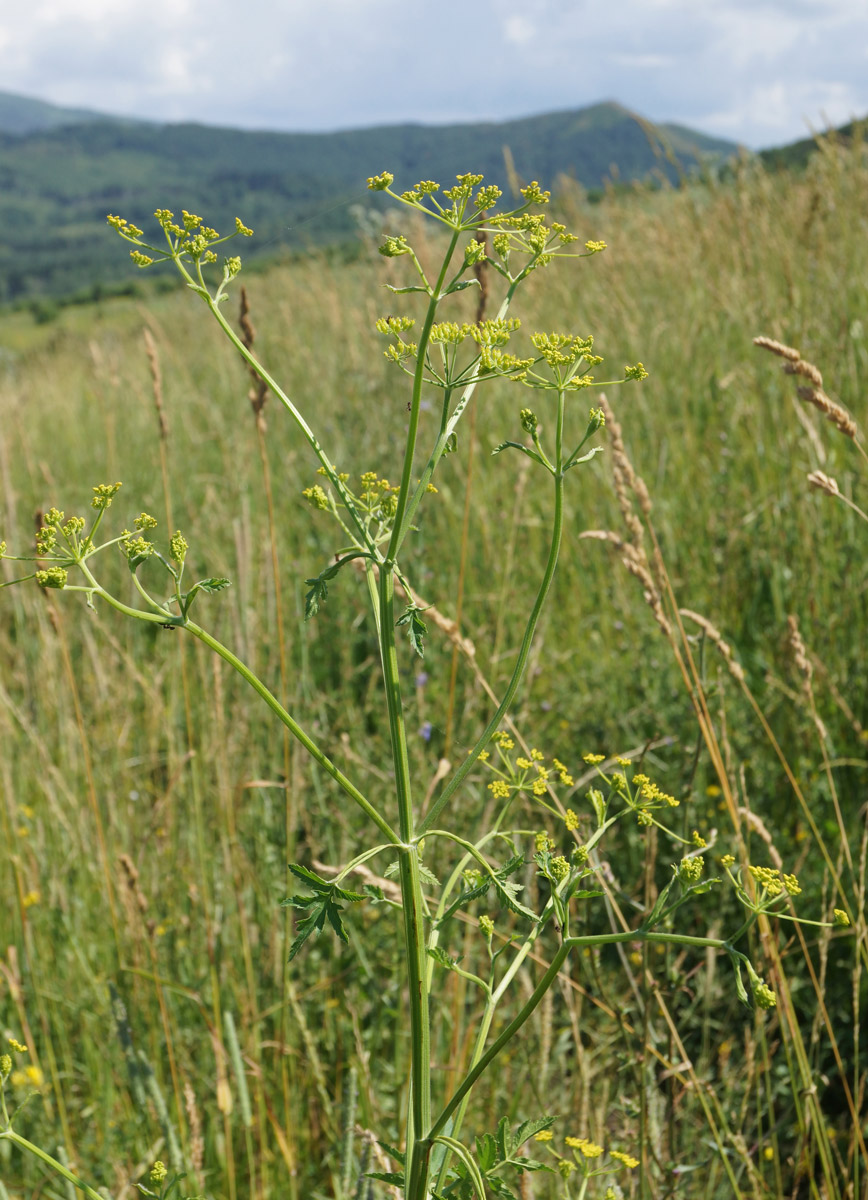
{"points": [[593, 759], [537, 755], [728, 860], [560, 868], [499, 789], [544, 1135], [627, 1159], [30, 1077], [524, 763], [31, 898], [764, 996], [586, 1148], [16, 1045], [841, 917], [768, 1153], [486, 927], [571, 820]]}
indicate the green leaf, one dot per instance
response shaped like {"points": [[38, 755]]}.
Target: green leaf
{"points": [[508, 893], [442, 958], [417, 629], [394, 1177], [428, 876], [500, 1188], [321, 907], [403, 291], [487, 1152], [529, 1129], [398, 1155], [735, 959], [517, 446], [319, 588], [324, 886], [504, 1139], [212, 585], [574, 462], [659, 905]]}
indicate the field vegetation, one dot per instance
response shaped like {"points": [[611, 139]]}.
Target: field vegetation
{"points": [[149, 810]]}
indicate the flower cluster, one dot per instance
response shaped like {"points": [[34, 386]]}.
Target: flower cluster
{"points": [[520, 773], [188, 240], [25, 1080], [375, 501], [588, 1158]]}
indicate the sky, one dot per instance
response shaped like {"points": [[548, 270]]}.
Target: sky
{"points": [[759, 72]]}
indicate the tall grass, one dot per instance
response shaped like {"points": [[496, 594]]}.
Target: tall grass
{"points": [[148, 815]]}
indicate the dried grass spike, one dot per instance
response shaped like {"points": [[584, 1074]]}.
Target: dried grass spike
{"points": [[832, 411], [800, 652], [824, 483], [806, 369], [716, 638], [156, 381], [777, 348]]}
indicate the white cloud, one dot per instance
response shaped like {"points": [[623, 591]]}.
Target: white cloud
{"points": [[752, 70], [518, 30]]}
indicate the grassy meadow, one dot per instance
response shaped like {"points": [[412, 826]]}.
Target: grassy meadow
{"points": [[149, 807]]}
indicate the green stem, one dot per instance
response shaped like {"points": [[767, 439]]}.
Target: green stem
{"points": [[411, 897], [12, 1136], [520, 663], [398, 529]]}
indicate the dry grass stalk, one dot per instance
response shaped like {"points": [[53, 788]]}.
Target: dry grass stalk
{"points": [[132, 878], [482, 278], [716, 639], [778, 348], [156, 382], [626, 479], [831, 411], [824, 483], [806, 369], [258, 393], [636, 562], [799, 650], [814, 394], [197, 1142]]}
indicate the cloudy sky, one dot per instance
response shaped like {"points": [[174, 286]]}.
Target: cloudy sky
{"points": [[757, 71]]}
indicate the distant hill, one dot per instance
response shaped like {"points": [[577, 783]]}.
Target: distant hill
{"points": [[59, 178], [796, 154], [22, 115]]}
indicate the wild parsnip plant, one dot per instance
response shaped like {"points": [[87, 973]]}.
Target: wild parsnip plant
{"points": [[445, 360]]}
